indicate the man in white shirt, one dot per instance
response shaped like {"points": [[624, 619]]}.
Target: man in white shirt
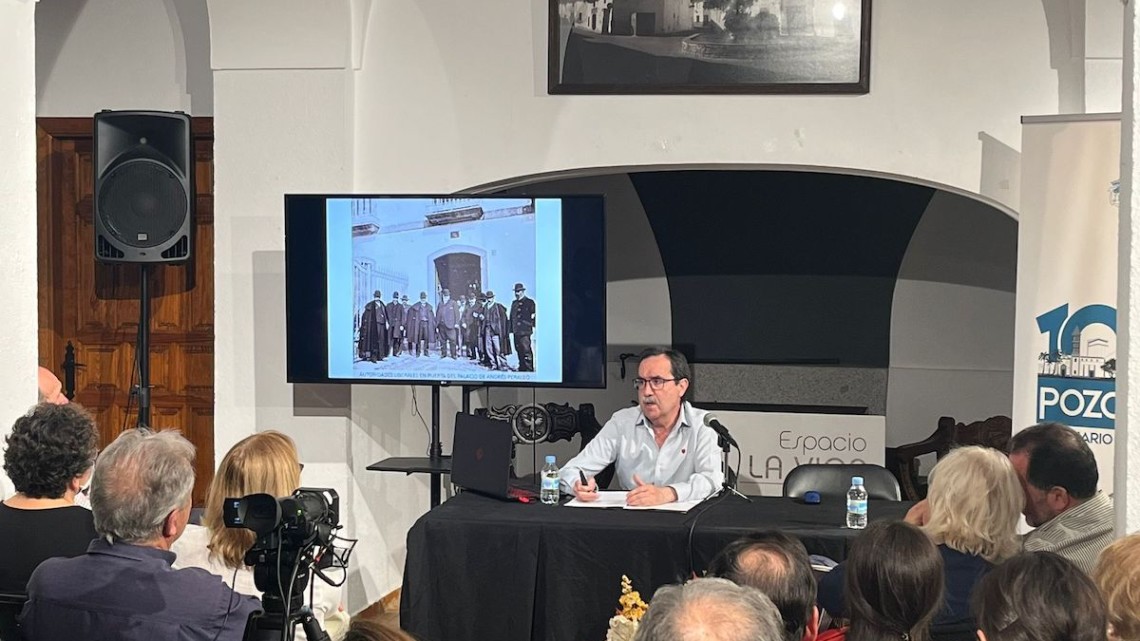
{"points": [[662, 449]]}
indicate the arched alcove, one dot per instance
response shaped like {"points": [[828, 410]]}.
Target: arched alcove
{"points": [[132, 54], [801, 286]]}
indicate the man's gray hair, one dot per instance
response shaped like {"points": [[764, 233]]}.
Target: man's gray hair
{"points": [[710, 610], [139, 479]]}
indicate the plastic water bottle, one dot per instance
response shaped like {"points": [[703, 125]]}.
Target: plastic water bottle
{"points": [[857, 504], [549, 493]]}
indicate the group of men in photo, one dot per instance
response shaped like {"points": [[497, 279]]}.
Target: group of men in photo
{"points": [[473, 325]]}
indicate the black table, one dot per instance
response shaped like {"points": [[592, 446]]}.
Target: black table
{"points": [[480, 569]]}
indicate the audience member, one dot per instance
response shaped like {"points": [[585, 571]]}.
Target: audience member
{"points": [[777, 565], [892, 586], [263, 463], [1117, 574], [365, 630], [1039, 596], [50, 453], [51, 390], [974, 502], [124, 588], [1059, 474], [710, 610]]}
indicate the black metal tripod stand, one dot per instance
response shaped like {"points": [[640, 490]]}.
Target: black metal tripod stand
{"points": [[729, 485]]}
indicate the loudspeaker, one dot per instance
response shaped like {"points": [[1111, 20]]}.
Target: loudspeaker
{"points": [[144, 187]]}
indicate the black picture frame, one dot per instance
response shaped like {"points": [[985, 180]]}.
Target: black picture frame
{"points": [[591, 49]]}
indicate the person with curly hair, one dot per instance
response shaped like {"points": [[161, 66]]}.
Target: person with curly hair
{"points": [[49, 457]]}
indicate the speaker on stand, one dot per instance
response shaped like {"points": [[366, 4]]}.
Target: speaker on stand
{"points": [[144, 205]]}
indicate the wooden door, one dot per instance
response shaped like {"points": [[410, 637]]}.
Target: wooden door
{"points": [[95, 307]]}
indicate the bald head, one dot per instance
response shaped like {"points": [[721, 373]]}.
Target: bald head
{"points": [[777, 565], [51, 390], [763, 562]]}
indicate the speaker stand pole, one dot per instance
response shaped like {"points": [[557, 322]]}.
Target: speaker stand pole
{"points": [[436, 451], [142, 350]]}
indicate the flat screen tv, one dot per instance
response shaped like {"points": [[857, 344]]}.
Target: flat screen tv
{"points": [[383, 289]]}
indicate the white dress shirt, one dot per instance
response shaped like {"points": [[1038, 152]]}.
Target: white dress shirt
{"points": [[689, 460]]}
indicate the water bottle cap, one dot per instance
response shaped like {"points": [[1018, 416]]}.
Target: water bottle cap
{"points": [[550, 459], [856, 480]]}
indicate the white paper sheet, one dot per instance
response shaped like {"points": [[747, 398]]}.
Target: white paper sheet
{"points": [[616, 499]]}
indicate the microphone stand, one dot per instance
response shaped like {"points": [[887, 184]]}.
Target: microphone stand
{"points": [[727, 487]]}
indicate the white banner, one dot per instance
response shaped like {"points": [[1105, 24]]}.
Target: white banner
{"points": [[771, 444], [1065, 336]]}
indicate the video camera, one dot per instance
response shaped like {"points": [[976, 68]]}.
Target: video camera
{"points": [[294, 534]]}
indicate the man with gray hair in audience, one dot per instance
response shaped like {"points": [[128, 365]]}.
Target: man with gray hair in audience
{"points": [[710, 610], [124, 587]]}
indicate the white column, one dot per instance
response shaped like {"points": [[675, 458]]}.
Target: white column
{"points": [[18, 333], [284, 105], [1102, 59], [1127, 481]]}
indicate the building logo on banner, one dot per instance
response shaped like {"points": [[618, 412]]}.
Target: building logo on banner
{"points": [[1076, 374], [1065, 321]]}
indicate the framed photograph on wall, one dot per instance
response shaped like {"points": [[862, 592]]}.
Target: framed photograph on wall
{"points": [[709, 46]]}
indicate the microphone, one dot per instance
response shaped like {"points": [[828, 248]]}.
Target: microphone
{"points": [[722, 431]]}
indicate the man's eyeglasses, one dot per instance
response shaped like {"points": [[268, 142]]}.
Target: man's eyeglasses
{"points": [[654, 383]]}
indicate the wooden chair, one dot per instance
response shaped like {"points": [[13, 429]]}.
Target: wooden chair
{"points": [[902, 461]]}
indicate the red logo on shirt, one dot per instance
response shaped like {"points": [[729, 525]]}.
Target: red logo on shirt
{"points": [[682, 450]]}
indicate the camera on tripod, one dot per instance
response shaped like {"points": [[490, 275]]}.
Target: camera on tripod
{"points": [[295, 534]]}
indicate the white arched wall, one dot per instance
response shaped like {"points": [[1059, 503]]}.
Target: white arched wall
{"points": [[440, 96], [952, 319], [122, 54], [453, 94]]}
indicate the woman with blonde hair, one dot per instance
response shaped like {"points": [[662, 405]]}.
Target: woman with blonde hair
{"points": [[1117, 575], [974, 502], [263, 463]]}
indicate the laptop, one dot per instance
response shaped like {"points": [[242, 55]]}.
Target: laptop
{"points": [[481, 459]]}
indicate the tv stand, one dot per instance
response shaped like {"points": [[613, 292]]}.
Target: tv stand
{"points": [[436, 463]]}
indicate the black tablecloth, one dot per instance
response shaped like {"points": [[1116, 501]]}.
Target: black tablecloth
{"points": [[480, 569]]}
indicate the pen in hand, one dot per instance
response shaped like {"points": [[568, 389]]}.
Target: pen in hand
{"points": [[582, 476]]}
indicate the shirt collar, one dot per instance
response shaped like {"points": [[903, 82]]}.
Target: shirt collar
{"points": [[128, 551]]}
